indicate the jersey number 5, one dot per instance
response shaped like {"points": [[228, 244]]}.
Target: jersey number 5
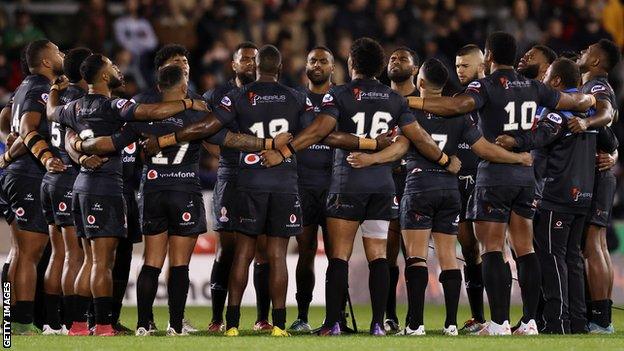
{"points": [[527, 113]]}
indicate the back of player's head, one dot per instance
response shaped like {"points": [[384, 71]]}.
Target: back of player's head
{"points": [[73, 60], [269, 59], [611, 52], [170, 76], [502, 47], [413, 54], [91, 66], [34, 52], [168, 51], [567, 70], [367, 57], [468, 50], [434, 73], [548, 53]]}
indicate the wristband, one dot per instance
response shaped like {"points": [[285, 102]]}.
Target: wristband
{"points": [[45, 156], [268, 144], [7, 157], [291, 149], [367, 144], [443, 160], [77, 145], [82, 159], [286, 151], [184, 103], [167, 140], [55, 87]]}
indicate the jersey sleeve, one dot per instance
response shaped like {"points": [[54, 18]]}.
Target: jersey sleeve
{"points": [[218, 138], [125, 136], [470, 133], [477, 91], [225, 111], [549, 128], [329, 105], [600, 92], [406, 116], [548, 97], [306, 113], [35, 101], [65, 114], [123, 109]]}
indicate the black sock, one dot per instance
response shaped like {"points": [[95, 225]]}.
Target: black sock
{"points": [[219, 278], [305, 279], [378, 280], [232, 317], [103, 307], [451, 283], [52, 308], [177, 287], [303, 305], [496, 285], [279, 317], [121, 272], [416, 278], [474, 289], [391, 303], [91, 314], [336, 282], [81, 308], [600, 312], [261, 284], [610, 310], [5, 272], [530, 284], [508, 284], [22, 312], [69, 302], [147, 286]]}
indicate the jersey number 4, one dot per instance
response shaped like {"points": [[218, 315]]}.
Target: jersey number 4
{"points": [[527, 113], [379, 124]]}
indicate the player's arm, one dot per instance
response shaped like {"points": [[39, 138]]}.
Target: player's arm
{"points": [[548, 129], [15, 149], [602, 117], [5, 123], [36, 143], [250, 143], [87, 161], [349, 141], [163, 110], [575, 102], [427, 147], [103, 145], [444, 105], [494, 153], [390, 154]]}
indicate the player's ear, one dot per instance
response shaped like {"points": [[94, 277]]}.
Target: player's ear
{"points": [[415, 71]]}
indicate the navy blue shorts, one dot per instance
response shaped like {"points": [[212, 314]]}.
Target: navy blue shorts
{"points": [[602, 201], [313, 206], [360, 207], [495, 203], [24, 196], [99, 216], [268, 213], [223, 203], [56, 203], [176, 212], [437, 210]]}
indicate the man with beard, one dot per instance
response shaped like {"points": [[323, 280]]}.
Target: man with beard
{"points": [[595, 63], [535, 62], [25, 173], [469, 65], [98, 202]]}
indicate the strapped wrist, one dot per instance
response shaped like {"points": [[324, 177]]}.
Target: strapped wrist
{"points": [[167, 140], [82, 159], [268, 144], [7, 157], [367, 144], [444, 160]]}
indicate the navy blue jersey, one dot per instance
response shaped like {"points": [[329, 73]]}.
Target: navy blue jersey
{"points": [[30, 96], [315, 162], [94, 116], [366, 108], [602, 90], [507, 103], [228, 157], [448, 133], [469, 160], [57, 143], [265, 109]]}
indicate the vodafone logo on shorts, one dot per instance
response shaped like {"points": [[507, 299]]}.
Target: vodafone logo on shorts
{"points": [[152, 174], [62, 207], [251, 159], [293, 218], [20, 212], [91, 219], [395, 200], [186, 216], [130, 149]]}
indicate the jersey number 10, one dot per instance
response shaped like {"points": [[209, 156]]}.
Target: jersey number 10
{"points": [[527, 113]]}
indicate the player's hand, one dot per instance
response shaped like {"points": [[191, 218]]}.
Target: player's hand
{"points": [[282, 139], [526, 159], [62, 82], [361, 159], [11, 139], [604, 161], [150, 144], [93, 162], [454, 166], [506, 141], [55, 165], [200, 105], [384, 140], [3, 163], [578, 125], [271, 158]]}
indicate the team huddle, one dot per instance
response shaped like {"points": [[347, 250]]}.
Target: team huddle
{"points": [[521, 158]]}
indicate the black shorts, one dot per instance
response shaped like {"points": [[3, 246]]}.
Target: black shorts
{"points": [[223, 201], [437, 210], [602, 200], [175, 212], [134, 218], [268, 213], [56, 203], [466, 188], [360, 207], [399, 176], [495, 203], [5, 208], [23, 194], [100, 216], [313, 206]]}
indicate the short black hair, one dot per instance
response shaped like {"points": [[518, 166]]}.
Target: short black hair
{"points": [[91, 66], [503, 48], [415, 57], [324, 48], [467, 50], [572, 55], [245, 45], [567, 70], [269, 59], [367, 57], [170, 76], [549, 53], [435, 72], [168, 51], [73, 60], [33, 52], [611, 51]]}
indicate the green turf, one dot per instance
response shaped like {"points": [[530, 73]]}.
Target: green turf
{"points": [[434, 318]]}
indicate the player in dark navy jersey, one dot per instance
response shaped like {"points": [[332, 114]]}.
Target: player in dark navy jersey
{"points": [[595, 63], [507, 103], [25, 172], [366, 108], [431, 201]]}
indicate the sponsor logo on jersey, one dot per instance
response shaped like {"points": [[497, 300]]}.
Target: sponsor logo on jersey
{"points": [[416, 170], [554, 118], [474, 85], [20, 212], [226, 101], [152, 174], [186, 216], [130, 149], [558, 225], [44, 97], [360, 95], [598, 88], [224, 218], [577, 194], [327, 98], [504, 82], [91, 219], [62, 206], [255, 99], [121, 103], [251, 159], [463, 146], [292, 218]]}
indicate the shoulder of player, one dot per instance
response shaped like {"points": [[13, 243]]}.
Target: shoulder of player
{"points": [[553, 116]]}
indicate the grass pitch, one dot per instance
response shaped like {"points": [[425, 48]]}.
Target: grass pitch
{"points": [[249, 340]]}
